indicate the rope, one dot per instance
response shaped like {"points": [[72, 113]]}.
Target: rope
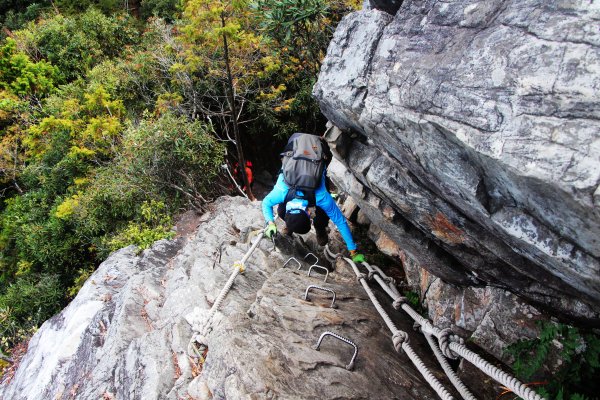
{"points": [[449, 343], [206, 327], [496, 373], [458, 384], [435, 384], [400, 338], [391, 282]]}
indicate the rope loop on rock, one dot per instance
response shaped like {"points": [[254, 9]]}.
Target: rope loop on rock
{"points": [[398, 302], [197, 350], [398, 338], [206, 327], [445, 337], [360, 276]]}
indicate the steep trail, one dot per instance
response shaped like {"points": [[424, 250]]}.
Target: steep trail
{"points": [[125, 334]]}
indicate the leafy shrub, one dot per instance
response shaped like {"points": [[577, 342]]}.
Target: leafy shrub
{"points": [[76, 43], [74, 6], [155, 225], [15, 16], [179, 157], [35, 295], [579, 360], [166, 9], [27, 303], [82, 276], [21, 75]]}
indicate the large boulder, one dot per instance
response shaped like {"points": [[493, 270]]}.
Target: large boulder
{"points": [[476, 126]]}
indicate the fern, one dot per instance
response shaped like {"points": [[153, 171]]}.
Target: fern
{"points": [[579, 356]]}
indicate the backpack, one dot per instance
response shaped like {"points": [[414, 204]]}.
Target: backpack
{"points": [[302, 166]]}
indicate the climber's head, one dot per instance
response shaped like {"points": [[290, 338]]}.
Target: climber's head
{"points": [[297, 221]]}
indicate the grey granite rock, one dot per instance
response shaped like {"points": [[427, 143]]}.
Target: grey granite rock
{"points": [[125, 334], [478, 124]]}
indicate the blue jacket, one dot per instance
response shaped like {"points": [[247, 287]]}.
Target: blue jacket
{"points": [[324, 201]]}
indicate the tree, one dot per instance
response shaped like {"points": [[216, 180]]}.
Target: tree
{"points": [[222, 47], [23, 84]]}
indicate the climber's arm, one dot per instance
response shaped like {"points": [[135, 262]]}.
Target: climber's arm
{"points": [[277, 196], [327, 204]]}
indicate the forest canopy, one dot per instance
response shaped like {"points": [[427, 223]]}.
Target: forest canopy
{"points": [[115, 116]]}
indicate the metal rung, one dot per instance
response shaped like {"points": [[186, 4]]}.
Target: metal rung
{"points": [[350, 366], [319, 288], [311, 254], [290, 259], [320, 267]]}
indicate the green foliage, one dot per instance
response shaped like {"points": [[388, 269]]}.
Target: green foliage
{"points": [[155, 225], [578, 357], [15, 16], [75, 6], [295, 23], [82, 276], [22, 76], [32, 295], [19, 5], [302, 27], [177, 156], [25, 305], [413, 299], [298, 32], [76, 43], [166, 9]]}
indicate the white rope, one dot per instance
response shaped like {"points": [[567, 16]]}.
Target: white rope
{"points": [[496, 373], [458, 384], [391, 282], [226, 168], [429, 377], [448, 344], [239, 267], [400, 338]]}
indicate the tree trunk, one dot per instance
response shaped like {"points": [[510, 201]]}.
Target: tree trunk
{"points": [[134, 7], [236, 129]]}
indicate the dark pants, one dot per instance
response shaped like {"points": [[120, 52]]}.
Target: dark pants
{"points": [[320, 221]]}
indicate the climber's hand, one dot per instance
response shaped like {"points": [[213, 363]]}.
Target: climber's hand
{"points": [[357, 257], [270, 230]]}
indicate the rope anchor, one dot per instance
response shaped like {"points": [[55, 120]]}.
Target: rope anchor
{"points": [[240, 265], [206, 327], [350, 366], [320, 288]]}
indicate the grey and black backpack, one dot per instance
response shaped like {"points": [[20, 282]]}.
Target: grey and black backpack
{"points": [[302, 166]]}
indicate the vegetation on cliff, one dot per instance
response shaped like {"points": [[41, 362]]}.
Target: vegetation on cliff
{"points": [[112, 120]]}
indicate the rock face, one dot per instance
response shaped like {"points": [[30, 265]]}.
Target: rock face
{"points": [[126, 333], [472, 139]]}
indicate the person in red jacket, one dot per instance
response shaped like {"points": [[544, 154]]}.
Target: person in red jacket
{"points": [[238, 174]]}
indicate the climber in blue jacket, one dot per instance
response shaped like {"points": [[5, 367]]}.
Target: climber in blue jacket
{"points": [[296, 214]]}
